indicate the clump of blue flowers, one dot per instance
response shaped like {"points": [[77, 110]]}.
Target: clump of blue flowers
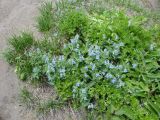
{"points": [[105, 65]]}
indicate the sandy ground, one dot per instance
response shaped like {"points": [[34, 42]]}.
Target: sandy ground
{"points": [[16, 15]]}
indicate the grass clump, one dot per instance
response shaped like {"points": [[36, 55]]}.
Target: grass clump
{"points": [[107, 63], [45, 107], [22, 42], [26, 97], [18, 45], [45, 19]]}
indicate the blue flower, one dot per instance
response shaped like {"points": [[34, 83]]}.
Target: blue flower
{"points": [[61, 58], [121, 44], [54, 61], [85, 75], [121, 83], [64, 46], [81, 58], [111, 66], [116, 37], [119, 67], [93, 66], [109, 75], [125, 70], [152, 46], [62, 72], [116, 52], [72, 61], [75, 39], [94, 51], [90, 106], [106, 52], [97, 75], [106, 62], [134, 65], [36, 70], [97, 57], [78, 84], [46, 59], [114, 80], [86, 68], [84, 91], [74, 90], [104, 36]]}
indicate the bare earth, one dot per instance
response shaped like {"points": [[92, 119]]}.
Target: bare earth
{"points": [[16, 15]]}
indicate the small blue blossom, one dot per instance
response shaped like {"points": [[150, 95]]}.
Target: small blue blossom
{"points": [[64, 46], [97, 57], [119, 67], [111, 66], [121, 44], [134, 65], [109, 76], [90, 106], [114, 80], [81, 58], [106, 62], [106, 52], [116, 52], [85, 75], [93, 66], [121, 83], [75, 39], [94, 51], [103, 73], [76, 50], [125, 70], [46, 58], [38, 50], [84, 91], [62, 72], [77, 45], [61, 58], [72, 61], [74, 90], [54, 60], [104, 36], [152, 46], [97, 75], [116, 37], [86, 68], [78, 84], [36, 70]]}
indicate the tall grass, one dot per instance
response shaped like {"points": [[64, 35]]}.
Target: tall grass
{"points": [[45, 19]]}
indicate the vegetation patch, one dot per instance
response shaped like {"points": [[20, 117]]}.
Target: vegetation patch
{"points": [[100, 60]]}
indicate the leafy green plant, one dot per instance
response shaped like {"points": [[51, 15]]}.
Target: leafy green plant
{"points": [[45, 19], [73, 21]]}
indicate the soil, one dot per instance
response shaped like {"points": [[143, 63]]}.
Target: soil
{"points": [[17, 15]]}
